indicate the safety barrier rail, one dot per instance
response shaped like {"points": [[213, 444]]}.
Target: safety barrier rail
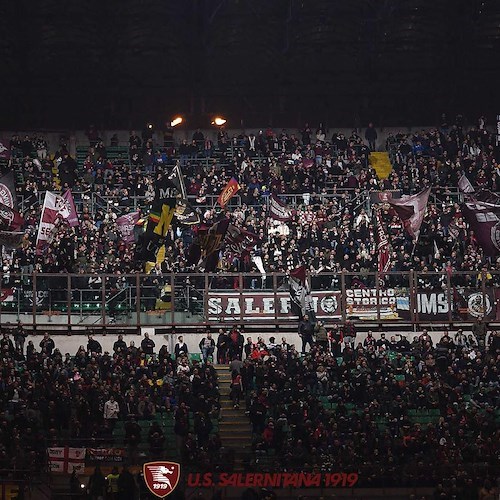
{"points": [[223, 298]]}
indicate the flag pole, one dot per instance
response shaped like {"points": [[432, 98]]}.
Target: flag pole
{"points": [[414, 247]]}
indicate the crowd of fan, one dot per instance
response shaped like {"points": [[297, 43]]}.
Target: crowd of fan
{"points": [[48, 398], [330, 231], [355, 409]]}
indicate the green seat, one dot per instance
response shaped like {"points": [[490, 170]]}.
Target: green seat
{"points": [[195, 356]]}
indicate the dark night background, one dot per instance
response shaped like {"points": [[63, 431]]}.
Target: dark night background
{"points": [[266, 62]]}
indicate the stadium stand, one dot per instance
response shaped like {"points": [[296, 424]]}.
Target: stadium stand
{"points": [[402, 414]]}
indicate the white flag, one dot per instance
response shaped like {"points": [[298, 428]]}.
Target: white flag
{"points": [[54, 207]]}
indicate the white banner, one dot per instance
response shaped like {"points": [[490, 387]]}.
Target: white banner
{"points": [[54, 206]]}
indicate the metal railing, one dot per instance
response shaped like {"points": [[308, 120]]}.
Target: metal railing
{"points": [[222, 298]]}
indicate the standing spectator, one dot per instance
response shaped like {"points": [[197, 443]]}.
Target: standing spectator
{"points": [[93, 346], [321, 335], [370, 340], [47, 344], [199, 139], [126, 485], [382, 342], [236, 365], [111, 411], [41, 148], [460, 338], [119, 345], [181, 348], [236, 388], [30, 350], [371, 136], [236, 342], [6, 344], [494, 342], [306, 331], [248, 347], [134, 141], [349, 334], [113, 484], [97, 484], [147, 344], [285, 346], [222, 346], [207, 346], [20, 337], [479, 330], [335, 341]]}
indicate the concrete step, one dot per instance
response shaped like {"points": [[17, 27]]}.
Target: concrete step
{"points": [[229, 437], [230, 440]]}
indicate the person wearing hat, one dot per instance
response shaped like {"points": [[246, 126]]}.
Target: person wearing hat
{"points": [[460, 338]]}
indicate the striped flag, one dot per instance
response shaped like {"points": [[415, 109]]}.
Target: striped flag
{"points": [[279, 210], [54, 208], [300, 292]]}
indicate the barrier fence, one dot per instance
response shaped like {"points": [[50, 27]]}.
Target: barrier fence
{"points": [[191, 299]]}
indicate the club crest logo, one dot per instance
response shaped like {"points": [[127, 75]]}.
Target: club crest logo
{"points": [[6, 196], [161, 478], [479, 305]]}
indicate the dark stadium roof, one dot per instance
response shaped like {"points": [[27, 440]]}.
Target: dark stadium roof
{"points": [[261, 61]]}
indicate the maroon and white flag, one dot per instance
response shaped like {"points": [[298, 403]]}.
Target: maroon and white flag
{"points": [[10, 219], [300, 292], [239, 240], [411, 210], [384, 262], [279, 210], [72, 219], [126, 224], [465, 185], [8, 190], [4, 148], [54, 208], [484, 220]]}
